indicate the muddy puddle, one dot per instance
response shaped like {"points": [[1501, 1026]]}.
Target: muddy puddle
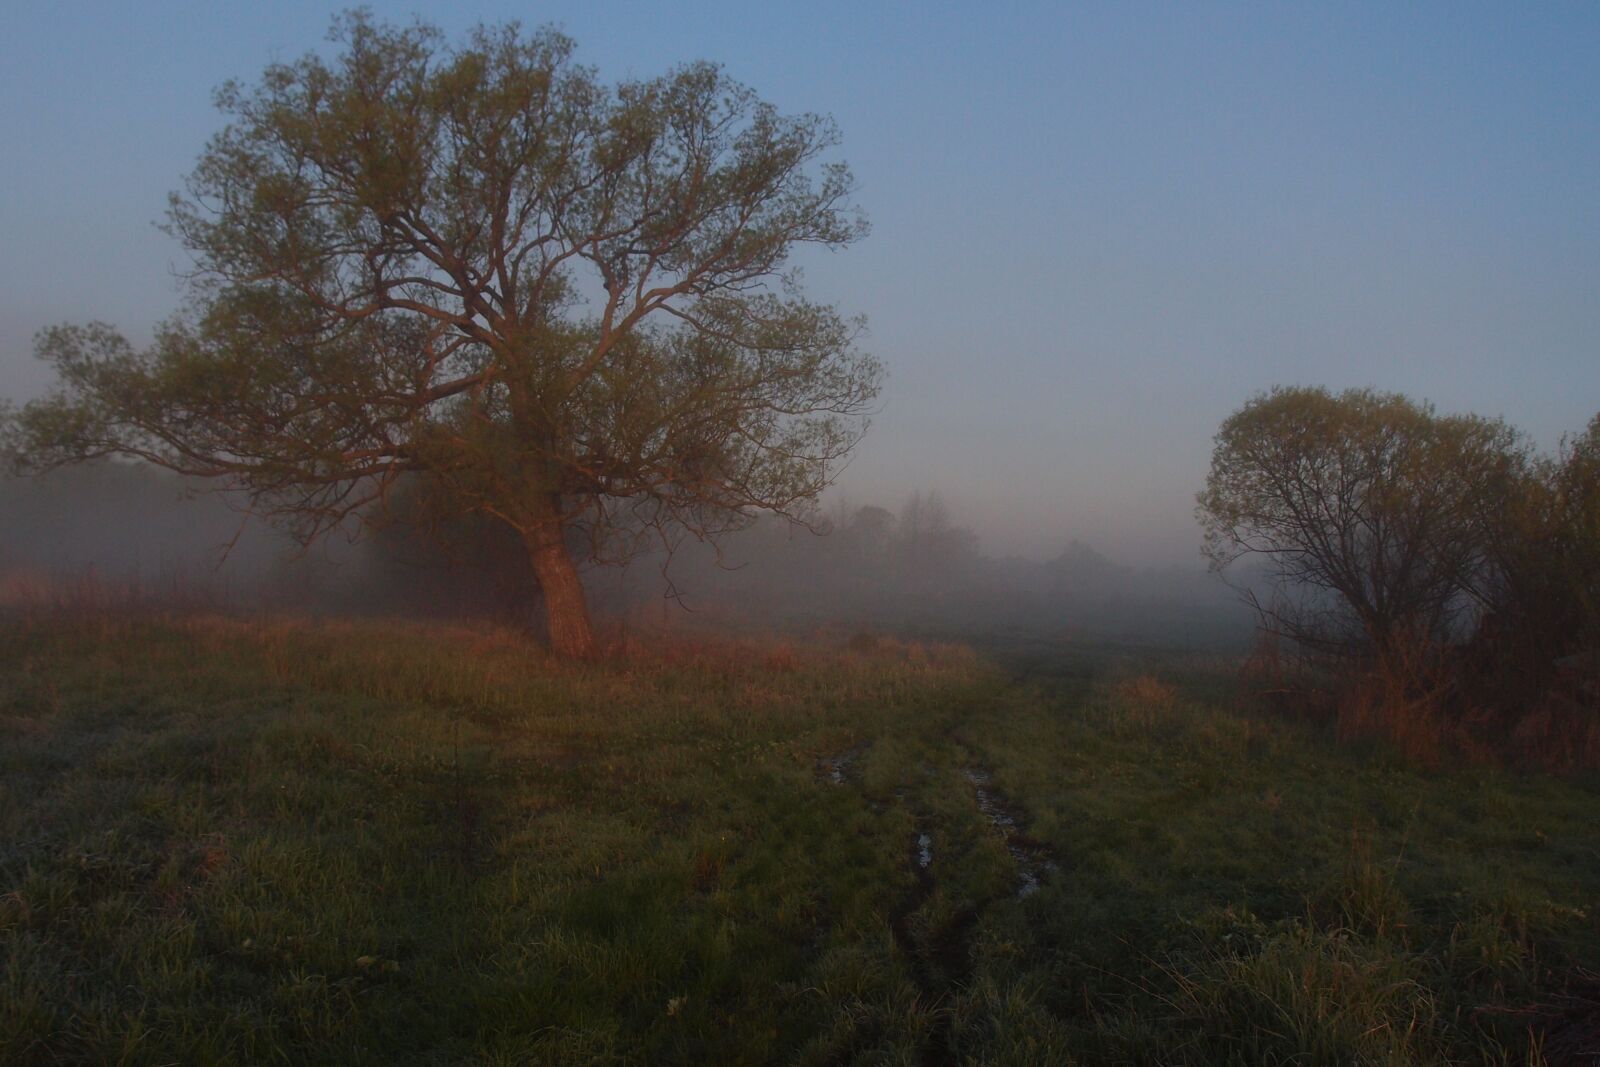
{"points": [[835, 768], [1032, 858]]}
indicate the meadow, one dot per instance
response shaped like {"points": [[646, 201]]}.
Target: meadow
{"points": [[243, 840]]}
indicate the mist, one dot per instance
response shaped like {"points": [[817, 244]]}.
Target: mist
{"points": [[126, 534]]}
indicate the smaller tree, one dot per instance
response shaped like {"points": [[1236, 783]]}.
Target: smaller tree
{"points": [[871, 533], [1373, 515]]}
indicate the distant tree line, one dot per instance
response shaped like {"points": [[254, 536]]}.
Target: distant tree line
{"points": [[1445, 566], [910, 569], [133, 530]]}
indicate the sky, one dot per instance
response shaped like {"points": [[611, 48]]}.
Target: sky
{"points": [[1097, 229]]}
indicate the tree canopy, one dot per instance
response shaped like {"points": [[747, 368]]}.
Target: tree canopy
{"points": [[1545, 547], [569, 306], [1373, 514]]}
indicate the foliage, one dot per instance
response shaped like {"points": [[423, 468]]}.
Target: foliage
{"points": [[1371, 513], [1451, 572], [8, 431], [1577, 495], [423, 556], [569, 303], [1547, 548]]}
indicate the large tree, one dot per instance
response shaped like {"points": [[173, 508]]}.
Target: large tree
{"points": [[566, 305], [1374, 516]]}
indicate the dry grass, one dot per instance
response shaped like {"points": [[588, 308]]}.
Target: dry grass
{"points": [[1553, 733], [1148, 691], [1416, 726], [496, 650], [1559, 734], [1434, 709]]}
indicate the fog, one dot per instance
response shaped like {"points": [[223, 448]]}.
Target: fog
{"points": [[113, 534]]}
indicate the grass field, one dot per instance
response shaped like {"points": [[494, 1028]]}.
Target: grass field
{"points": [[226, 841]]}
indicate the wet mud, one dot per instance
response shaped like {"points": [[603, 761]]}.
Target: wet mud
{"points": [[836, 769], [1032, 858], [941, 960]]}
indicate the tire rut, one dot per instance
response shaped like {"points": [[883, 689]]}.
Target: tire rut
{"points": [[940, 961], [836, 768], [1032, 857]]}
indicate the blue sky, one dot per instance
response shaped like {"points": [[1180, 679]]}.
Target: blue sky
{"points": [[1097, 228]]}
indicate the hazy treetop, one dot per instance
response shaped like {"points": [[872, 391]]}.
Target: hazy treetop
{"points": [[1096, 231]]}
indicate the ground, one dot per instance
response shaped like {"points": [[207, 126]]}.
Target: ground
{"points": [[257, 841]]}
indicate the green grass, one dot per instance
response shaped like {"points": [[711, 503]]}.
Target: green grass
{"points": [[278, 842]]}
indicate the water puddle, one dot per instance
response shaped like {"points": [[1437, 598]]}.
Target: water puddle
{"points": [[1032, 859], [834, 768], [924, 851]]}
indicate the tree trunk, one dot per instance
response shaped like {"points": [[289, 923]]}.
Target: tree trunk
{"points": [[565, 610]]}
